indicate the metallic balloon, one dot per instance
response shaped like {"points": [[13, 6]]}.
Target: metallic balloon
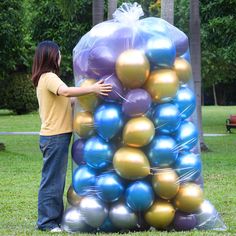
{"points": [[132, 68], [186, 136], [83, 180], [131, 163], [73, 221], [183, 70], [136, 102], [166, 118], [83, 124], [185, 101], [189, 198], [162, 151], [139, 195], [160, 214], [89, 101], [108, 120], [162, 85], [138, 132], [122, 216], [107, 226], [77, 152], [188, 166], [98, 153], [94, 211], [72, 197], [184, 221], [109, 187], [165, 183], [160, 50], [208, 218]]}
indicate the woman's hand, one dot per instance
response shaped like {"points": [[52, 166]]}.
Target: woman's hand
{"points": [[101, 88]]}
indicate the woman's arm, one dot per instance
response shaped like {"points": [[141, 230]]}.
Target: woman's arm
{"points": [[98, 88]]}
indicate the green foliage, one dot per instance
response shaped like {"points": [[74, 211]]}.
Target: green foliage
{"points": [[20, 95]]}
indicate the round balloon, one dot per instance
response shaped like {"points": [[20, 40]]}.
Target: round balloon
{"points": [[188, 166], [162, 151], [160, 50], [166, 118], [131, 163], [160, 214], [138, 132], [109, 187], [83, 124], [162, 85], [165, 183], [189, 198], [77, 152], [90, 101], [136, 102], [122, 216], [184, 221], [98, 153], [132, 68], [108, 120], [183, 70], [72, 197], [107, 226], [139, 195], [94, 211], [83, 180], [185, 101]]}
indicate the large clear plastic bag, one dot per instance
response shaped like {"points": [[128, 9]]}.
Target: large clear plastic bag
{"points": [[136, 161]]}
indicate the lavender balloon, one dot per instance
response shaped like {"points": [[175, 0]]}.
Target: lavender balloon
{"points": [[136, 102], [77, 152]]}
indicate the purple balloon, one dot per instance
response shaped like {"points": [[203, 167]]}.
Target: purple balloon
{"points": [[184, 221], [136, 102], [117, 89], [77, 152]]}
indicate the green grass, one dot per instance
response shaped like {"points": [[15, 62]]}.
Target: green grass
{"points": [[20, 167]]}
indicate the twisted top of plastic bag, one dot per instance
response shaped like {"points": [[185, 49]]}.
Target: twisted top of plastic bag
{"points": [[128, 12]]}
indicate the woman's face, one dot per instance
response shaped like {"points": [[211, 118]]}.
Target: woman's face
{"points": [[59, 58]]}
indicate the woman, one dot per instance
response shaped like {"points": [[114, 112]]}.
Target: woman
{"points": [[56, 128]]}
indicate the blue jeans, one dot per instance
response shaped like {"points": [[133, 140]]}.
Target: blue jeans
{"points": [[50, 196]]}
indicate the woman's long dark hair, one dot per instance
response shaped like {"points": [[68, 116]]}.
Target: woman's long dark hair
{"points": [[45, 60]]}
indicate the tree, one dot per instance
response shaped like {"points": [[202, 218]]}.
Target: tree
{"points": [[167, 10], [98, 11], [112, 5]]}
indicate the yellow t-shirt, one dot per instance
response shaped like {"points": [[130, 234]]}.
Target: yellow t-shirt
{"points": [[55, 111]]}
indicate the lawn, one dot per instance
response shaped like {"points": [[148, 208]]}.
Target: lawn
{"points": [[20, 167]]}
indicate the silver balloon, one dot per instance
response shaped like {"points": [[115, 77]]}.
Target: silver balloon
{"points": [[122, 216], [208, 218], [93, 210], [73, 221]]}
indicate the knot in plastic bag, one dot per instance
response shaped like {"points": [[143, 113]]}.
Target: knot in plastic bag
{"points": [[128, 13]]}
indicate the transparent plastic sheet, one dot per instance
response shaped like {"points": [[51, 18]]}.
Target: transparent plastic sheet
{"points": [[136, 158]]}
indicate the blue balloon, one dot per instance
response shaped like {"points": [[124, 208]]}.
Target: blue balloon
{"points": [[166, 118], [98, 153], [107, 226], [139, 196], [83, 180], [162, 151], [185, 101], [160, 51], [188, 166], [186, 136], [108, 120], [109, 187], [186, 56]]}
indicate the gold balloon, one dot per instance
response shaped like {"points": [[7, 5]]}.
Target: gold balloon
{"points": [[83, 124], [132, 68], [183, 70], [165, 183], [72, 197], [162, 85], [138, 132], [131, 163], [160, 214], [189, 197], [89, 101]]}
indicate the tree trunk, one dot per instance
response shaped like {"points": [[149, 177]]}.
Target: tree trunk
{"points": [[195, 52], [214, 94], [112, 5], [98, 11], [167, 10]]}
